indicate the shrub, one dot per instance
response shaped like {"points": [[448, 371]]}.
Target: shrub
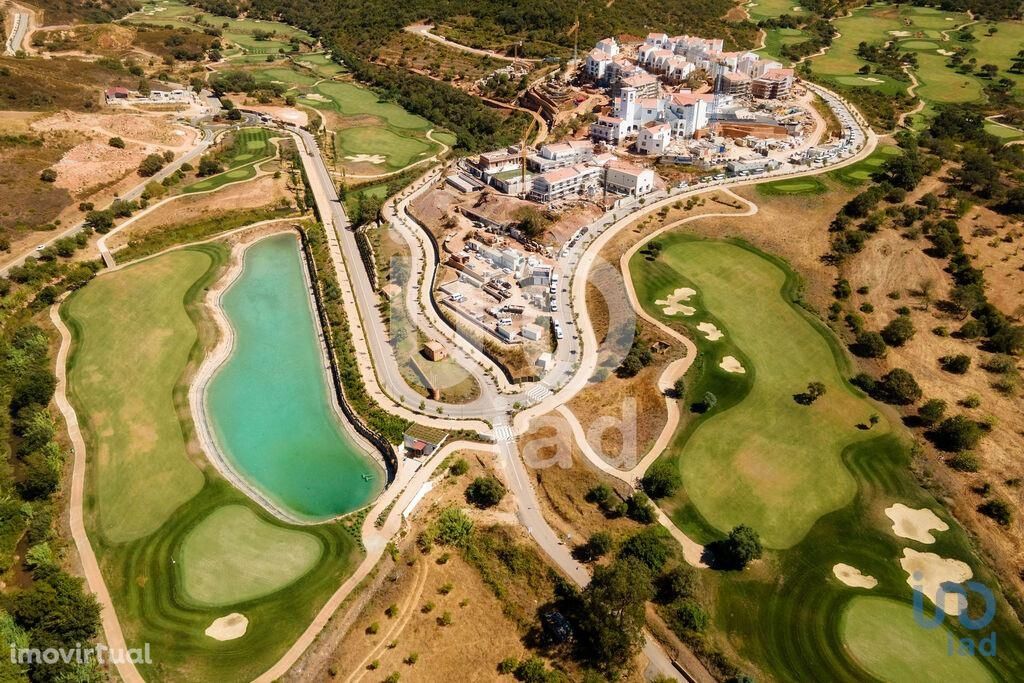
{"points": [[453, 527], [898, 387], [639, 508], [869, 345], [963, 462], [649, 546], [970, 401], [459, 467], [485, 492], [688, 615], [679, 582], [445, 619], [899, 331], [998, 510], [392, 611], [661, 480], [116, 143], [931, 411], [373, 629], [151, 165], [958, 364], [48, 175], [957, 433], [999, 363], [507, 665], [597, 546]]}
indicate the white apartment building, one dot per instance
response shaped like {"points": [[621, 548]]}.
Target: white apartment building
{"points": [[564, 182], [625, 178], [559, 155], [654, 138]]}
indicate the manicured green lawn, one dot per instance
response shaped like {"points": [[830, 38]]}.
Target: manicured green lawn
{"points": [[282, 74], [249, 147], [233, 556], [400, 150], [135, 332], [885, 639], [860, 172], [766, 461], [792, 186], [1002, 132], [784, 613], [351, 100], [917, 29], [134, 341]]}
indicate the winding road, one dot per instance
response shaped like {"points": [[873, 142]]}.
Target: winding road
{"points": [[503, 411]]}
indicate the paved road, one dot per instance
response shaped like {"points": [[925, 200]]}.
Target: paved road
{"points": [[204, 143], [19, 28]]}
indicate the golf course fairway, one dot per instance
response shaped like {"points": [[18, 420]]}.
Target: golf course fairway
{"points": [[813, 479], [270, 404], [179, 546], [766, 461]]}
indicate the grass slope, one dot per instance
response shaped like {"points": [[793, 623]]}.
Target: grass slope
{"points": [[122, 378], [143, 574], [767, 461]]}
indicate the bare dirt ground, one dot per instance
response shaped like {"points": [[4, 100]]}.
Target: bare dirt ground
{"points": [[562, 483], [264, 191], [892, 265], [369, 643], [289, 114]]}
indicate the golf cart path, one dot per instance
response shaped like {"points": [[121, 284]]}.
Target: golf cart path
{"points": [[426, 30]]}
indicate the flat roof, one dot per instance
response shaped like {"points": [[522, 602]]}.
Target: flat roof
{"points": [[431, 435]]}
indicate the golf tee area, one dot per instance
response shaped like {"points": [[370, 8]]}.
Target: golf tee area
{"points": [[820, 479], [218, 586]]}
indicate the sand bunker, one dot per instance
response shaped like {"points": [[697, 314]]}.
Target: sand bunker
{"points": [[228, 628], [899, 34], [367, 158], [871, 80], [671, 305], [316, 97], [946, 53], [853, 577], [710, 331], [730, 364], [926, 572], [914, 524]]}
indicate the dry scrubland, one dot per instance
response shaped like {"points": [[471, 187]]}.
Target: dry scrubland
{"points": [[491, 604]]}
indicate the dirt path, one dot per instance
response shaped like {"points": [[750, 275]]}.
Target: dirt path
{"points": [[426, 30], [692, 550]]}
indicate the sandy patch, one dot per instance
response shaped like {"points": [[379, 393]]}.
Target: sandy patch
{"points": [[710, 331], [871, 80], [899, 34], [853, 577], [914, 524], [946, 53], [366, 158], [671, 305], [287, 114], [316, 97], [95, 163], [926, 572], [156, 129], [730, 364], [228, 628]]}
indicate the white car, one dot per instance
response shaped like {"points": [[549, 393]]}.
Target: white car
{"points": [[554, 305]]}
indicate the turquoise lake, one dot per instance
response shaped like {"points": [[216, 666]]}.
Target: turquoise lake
{"points": [[270, 405]]}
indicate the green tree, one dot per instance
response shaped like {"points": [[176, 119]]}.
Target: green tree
{"points": [[151, 165], [485, 492], [661, 480], [931, 411], [898, 387], [613, 613], [899, 331], [869, 345], [116, 143], [453, 527], [957, 433], [649, 546]]}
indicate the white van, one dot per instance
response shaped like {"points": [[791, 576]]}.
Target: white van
{"points": [[505, 321]]}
